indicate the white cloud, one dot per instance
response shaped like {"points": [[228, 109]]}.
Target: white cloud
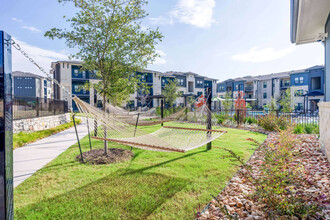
{"points": [[160, 60], [256, 55], [195, 12], [17, 20], [31, 28], [41, 56], [161, 20]]}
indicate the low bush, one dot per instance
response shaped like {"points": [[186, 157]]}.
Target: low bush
{"points": [[306, 129], [250, 120], [271, 122], [221, 118]]}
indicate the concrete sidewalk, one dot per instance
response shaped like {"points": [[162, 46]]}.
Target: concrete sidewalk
{"points": [[32, 157]]}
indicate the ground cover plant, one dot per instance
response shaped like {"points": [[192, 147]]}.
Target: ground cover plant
{"points": [[23, 138], [153, 185]]}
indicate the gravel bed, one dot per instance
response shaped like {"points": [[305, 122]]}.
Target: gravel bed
{"points": [[235, 196]]}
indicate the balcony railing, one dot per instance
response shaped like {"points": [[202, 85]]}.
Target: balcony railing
{"points": [[248, 88]]}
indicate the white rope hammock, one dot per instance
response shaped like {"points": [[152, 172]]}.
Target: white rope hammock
{"points": [[145, 118], [180, 137]]}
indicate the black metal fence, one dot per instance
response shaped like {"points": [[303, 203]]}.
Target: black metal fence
{"points": [[28, 107], [296, 117]]}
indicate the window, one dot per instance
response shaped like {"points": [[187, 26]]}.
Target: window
{"points": [[298, 92], [316, 83], [199, 83], [67, 66], [301, 80], [265, 84], [299, 106], [265, 95], [236, 87], [287, 82], [181, 82], [296, 80]]}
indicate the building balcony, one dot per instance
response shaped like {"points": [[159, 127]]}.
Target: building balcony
{"points": [[248, 88]]}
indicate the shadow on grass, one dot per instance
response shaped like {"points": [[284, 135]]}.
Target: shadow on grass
{"points": [[141, 170], [134, 196]]}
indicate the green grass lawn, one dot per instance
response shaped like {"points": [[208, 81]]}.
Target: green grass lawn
{"points": [[153, 185], [23, 138]]}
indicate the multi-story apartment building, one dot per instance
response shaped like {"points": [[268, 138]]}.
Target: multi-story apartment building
{"points": [[68, 73], [31, 85], [307, 87]]}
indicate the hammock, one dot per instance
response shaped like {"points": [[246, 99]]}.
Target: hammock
{"points": [[180, 137], [140, 118]]}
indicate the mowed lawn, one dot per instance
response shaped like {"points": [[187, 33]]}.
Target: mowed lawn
{"points": [[153, 185]]}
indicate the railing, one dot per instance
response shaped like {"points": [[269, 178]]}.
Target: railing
{"points": [[29, 107], [296, 117], [248, 88]]}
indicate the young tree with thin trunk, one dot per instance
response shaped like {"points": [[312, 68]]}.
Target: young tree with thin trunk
{"points": [[286, 101], [109, 38], [170, 92]]}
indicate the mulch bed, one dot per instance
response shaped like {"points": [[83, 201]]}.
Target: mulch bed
{"points": [[235, 196], [115, 155]]}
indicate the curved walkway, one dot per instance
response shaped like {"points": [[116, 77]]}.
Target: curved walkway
{"points": [[32, 157]]}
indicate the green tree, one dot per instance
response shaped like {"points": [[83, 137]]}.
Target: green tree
{"points": [[272, 105], [108, 38], [286, 101], [170, 92], [228, 102]]}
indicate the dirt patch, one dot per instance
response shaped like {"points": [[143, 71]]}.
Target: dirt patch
{"points": [[115, 155]]}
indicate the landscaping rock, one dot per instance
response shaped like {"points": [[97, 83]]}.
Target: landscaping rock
{"points": [[317, 174]]}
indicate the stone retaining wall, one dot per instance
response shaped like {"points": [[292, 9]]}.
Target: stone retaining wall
{"points": [[324, 117], [41, 123]]}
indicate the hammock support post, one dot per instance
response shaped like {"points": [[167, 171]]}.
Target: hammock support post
{"points": [[162, 111], [209, 118], [89, 134], [75, 128]]}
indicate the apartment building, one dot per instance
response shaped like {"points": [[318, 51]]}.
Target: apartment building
{"points": [[70, 75], [307, 88], [190, 84], [31, 85]]}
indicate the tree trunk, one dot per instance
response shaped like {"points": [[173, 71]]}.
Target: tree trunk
{"points": [[105, 130]]}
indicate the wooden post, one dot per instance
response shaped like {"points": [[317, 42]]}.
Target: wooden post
{"points": [[162, 111], [209, 118]]}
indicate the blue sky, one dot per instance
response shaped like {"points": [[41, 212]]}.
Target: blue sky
{"points": [[218, 38]]}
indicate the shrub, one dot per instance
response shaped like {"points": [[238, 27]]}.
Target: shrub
{"points": [[307, 129], [250, 120], [271, 122], [299, 129], [221, 118]]}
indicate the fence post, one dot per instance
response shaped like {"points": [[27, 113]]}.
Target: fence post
{"points": [[37, 106]]}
